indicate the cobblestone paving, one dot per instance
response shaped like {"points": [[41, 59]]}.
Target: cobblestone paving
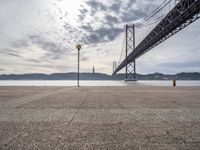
{"points": [[141, 118]]}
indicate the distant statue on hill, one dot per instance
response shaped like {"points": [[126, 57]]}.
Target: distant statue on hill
{"points": [[93, 70]]}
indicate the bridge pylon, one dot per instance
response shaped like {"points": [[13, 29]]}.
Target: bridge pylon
{"points": [[130, 70]]}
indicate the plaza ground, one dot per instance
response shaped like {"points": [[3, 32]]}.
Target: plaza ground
{"points": [[100, 118]]}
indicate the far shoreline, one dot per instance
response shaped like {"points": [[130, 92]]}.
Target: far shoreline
{"points": [[100, 83]]}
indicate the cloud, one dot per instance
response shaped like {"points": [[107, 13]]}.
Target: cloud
{"points": [[83, 13], [182, 65], [53, 50], [103, 34], [133, 15], [96, 6], [135, 10], [10, 52], [87, 28], [20, 43], [33, 60], [84, 58], [116, 6], [114, 16], [112, 19]]}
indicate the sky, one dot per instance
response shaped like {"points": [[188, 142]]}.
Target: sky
{"points": [[40, 36]]}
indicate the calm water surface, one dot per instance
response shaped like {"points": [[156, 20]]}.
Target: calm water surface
{"points": [[93, 83]]}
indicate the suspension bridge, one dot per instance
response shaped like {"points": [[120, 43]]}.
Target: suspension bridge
{"points": [[168, 19]]}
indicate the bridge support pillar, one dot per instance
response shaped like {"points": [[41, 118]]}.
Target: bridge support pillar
{"points": [[130, 73]]}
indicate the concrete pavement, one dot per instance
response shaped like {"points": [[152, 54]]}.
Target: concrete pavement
{"points": [[100, 118]]}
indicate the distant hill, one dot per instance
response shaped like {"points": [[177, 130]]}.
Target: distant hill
{"points": [[57, 76], [100, 76], [160, 76]]}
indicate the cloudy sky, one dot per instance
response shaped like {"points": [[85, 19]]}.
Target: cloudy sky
{"points": [[39, 36]]}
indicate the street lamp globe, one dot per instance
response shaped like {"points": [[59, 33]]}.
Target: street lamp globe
{"points": [[78, 47]]}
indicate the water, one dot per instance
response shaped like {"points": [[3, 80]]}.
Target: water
{"points": [[93, 83]]}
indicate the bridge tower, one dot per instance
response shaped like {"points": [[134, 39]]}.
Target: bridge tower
{"points": [[130, 72]]}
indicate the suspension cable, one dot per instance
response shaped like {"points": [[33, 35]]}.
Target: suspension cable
{"points": [[158, 9], [122, 48], [151, 23]]}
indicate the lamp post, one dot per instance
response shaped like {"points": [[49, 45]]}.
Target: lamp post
{"points": [[78, 48]]}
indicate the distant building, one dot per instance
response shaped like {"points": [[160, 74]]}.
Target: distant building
{"points": [[93, 70]]}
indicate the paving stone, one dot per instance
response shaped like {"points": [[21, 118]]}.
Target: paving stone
{"points": [[100, 118]]}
